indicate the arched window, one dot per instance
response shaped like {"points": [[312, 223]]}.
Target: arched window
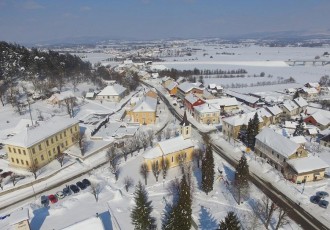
{"points": [[172, 158]]}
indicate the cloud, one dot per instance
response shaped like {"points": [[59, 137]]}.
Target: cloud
{"points": [[85, 8], [32, 5]]}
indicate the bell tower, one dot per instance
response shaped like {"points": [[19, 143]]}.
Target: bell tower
{"points": [[185, 127]]}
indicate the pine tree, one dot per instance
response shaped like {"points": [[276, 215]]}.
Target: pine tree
{"points": [[242, 133], [249, 134], [242, 178], [208, 170], [299, 131], [255, 131], [231, 222], [140, 215]]}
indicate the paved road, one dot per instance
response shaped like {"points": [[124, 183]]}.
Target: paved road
{"points": [[295, 212]]}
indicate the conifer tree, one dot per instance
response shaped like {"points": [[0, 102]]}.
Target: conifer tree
{"points": [[255, 131], [141, 213], [208, 170], [242, 133], [299, 131], [230, 222], [242, 178]]}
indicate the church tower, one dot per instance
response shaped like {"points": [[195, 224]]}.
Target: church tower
{"points": [[185, 127]]}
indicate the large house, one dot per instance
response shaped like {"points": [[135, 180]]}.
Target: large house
{"points": [[174, 150], [318, 119], [186, 88], [224, 104], [290, 108], [277, 149], [113, 93], [308, 93], [172, 88], [39, 144], [144, 112], [206, 114], [302, 104], [59, 98], [276, 112], [190, 101], [247, 99]]}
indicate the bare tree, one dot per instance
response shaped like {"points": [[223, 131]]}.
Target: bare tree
{"points": [[282, 218], [182, 160], [173, 189], [80, 138], [156, 169], [144, 172], [1, 186], [60, 158], [75, 81], [34, 169], [70, 103], [95, 190], [198, 155], [268, 209], [40, 116], [114, 162], [168, 132], [128, 182], [165, 167], [13, 178], [150, 136]]}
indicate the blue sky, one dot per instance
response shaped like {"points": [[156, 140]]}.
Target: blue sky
{"points": [[29, 21]]}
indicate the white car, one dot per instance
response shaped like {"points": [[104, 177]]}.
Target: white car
{"points": [[59, 195]]}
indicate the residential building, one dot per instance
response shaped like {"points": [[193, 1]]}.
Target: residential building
{"points": [[266, 116], [172, 88], [190, 101], [176, 150], [309, 93], [224, 104], [276, 112], [144, 112], [319, 120], [37, 145], [305, 169], [277, 149], [207, 114], [59, 98], [290, 108], [186, 88], [325, 141], [151, 93], [247, 99], [302, 104], [113, 93], [314, 85]]}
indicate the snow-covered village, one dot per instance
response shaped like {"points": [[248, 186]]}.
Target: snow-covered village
{"points": [[191, 133]]}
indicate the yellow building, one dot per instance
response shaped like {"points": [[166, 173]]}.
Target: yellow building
{"points": [[206, 114], [144, 112], [173, 149], [37, 145]]}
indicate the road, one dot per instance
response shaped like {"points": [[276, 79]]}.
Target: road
{"points": [[295, 212]]}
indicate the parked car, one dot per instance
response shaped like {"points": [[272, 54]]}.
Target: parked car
{"points": [[315, 199], [81, 185], [324, 203], [66, 191], [86, 182], [60, 195], [52, 198], [74, 188], [322, 194], [44, 200]]}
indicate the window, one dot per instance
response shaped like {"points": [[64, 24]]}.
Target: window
{"points": [[65, 133], [36, 161], [9, 149], [19, 151], [27, 163], [52, 140], [24, 152], [53, 150], [12, 160], [76, 128], [14, 150], [47, 143], [39, 147], [60, 135], [71, 130], [66, 143], [278, 156], [17, 161], [42, 157], [33, 151], [56, 138], [22, 162], [172, 158], [49, 153]]}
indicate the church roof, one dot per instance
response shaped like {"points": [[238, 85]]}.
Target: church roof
{"points": [[184, 121]]}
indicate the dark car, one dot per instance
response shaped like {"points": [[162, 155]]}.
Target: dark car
{"points": [[44, 200], [315, 199], [81, 185], [74, 188], [66, 191], [324, 203], [322, 194], [86, 182]]}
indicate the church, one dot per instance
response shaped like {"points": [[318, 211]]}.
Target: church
{"points": [[172, 149]]}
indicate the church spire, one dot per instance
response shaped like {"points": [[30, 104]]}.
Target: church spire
{"points": [[184, 121]]}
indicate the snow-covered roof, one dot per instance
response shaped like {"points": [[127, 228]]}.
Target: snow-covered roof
{"points": [[188, 86], [155, 75], [171, 85], [291, 90], [29, 136], [90, 94], [112, 90], [313, 84], [311, 110], [290, 124], [206, 108], [18, 216], [307, 164], [94, 223], [61, 96], [301, 102], [153, 153], [241, 119], [175, 144], [212, 86], [320, 118], [191, 98], [275, 110], [166, 78], [309, 90], [290, 105], [264, 113], [299, 139], [243, 97], [225, 101], [147, 104], [312, 131], [277, 142]]}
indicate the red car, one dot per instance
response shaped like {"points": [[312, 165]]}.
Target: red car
{"points": [[52, 199]]}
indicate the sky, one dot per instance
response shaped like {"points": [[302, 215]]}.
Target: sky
{"points": [[32, 21]]}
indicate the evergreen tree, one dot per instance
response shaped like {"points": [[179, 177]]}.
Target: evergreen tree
{"points": [[296, 95], [242, 178], [208, 170], [141, 213], [242, 133], [299, 131], [252, 131], [230, 222], [249, 134]]}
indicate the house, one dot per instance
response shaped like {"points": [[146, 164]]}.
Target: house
{"points": [[276, 112], [309, 93], [301, 140], [225, 104], [19, 220], [144, 112], [325, 91], [207, 114], [37, 145], [290, 108], [325, 141], [186, 88], [266, 116], [314, 85], [151, 93], [302, 104], [215, 89], [59, 98], [232, 125], [172, 88], [90, 95], [305, 169], [175, 150], [190, 101], [166, 80], [277, 149], [113, 93], [249, 100], [144, 75], [290, 91], [319, 120]]}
